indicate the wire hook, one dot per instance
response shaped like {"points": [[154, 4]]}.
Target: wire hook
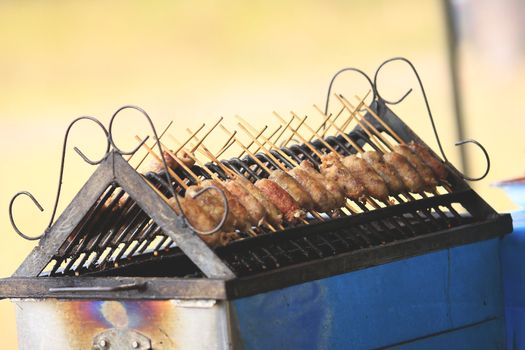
{"points": [[60, 178], [224, 216], [357, 70], [427, 105]]}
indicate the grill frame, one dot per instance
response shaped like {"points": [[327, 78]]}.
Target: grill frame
{"points": [[222, 282]]}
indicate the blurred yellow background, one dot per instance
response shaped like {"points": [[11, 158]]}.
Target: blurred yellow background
{"points": [[191, 62]]}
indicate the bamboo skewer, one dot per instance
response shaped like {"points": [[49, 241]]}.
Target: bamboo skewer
{"points": [[323, 141], [225, 148], [279, 127], [341, 132], [243, 125], [269, 154], [370, 126], [365, 128], [226, 145], [282, 132], [306, 143], [206, 135], [283, 168], [230, 173], [251, 143], [385, 125], [193, 134], [254, 157], [146, 155], [292, 129], [323, 124], [345, 124], [170, 171]]}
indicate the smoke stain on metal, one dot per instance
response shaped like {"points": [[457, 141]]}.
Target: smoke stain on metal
{"points": [[115, 313], [85, 319]]}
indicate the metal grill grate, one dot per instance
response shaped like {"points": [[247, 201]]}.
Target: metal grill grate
{"points": [[118, 237]]}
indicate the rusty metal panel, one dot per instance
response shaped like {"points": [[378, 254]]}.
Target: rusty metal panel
{"points": [[94, 324]]}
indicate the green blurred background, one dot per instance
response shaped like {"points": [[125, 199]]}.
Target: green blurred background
{"points": [[191, 62]]}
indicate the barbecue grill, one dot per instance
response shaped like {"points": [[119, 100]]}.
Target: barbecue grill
{"points": [[119, 270]]}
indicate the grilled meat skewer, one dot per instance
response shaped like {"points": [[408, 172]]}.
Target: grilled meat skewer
{"points": [[429, 159], [375, 186], [321, 202], [293, 187], [385, 170], [332, 168], [256, 212], [424, 171], [408, 175], [273, 215], [333, 189], [281, 199], [236, 209], [198, 218]]}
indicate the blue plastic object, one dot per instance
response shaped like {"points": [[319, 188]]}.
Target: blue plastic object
{"points": [[513, 261], [449, 299]]}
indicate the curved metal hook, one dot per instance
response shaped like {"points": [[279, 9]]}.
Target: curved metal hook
{"points": [[409, 90], [485, 153], [143, 112], [427, 105], [357, 70], [20, 233], [224, 216], [60, 178], [143, 141]]}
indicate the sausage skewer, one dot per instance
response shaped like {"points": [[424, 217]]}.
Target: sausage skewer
{"points": [[258, 208], [237, 217], [314, 189], [354, 187], [291, 210], [332, 186], [426, 171], [405, 158], [197, 216], [264, 209], [274, 216], [397, 182], [283, 179]]}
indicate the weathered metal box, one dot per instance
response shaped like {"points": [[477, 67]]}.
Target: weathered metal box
{"points": [[451, 298]]}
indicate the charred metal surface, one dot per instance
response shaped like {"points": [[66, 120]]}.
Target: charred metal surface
{"points": [[110, 324], [104, 288]]}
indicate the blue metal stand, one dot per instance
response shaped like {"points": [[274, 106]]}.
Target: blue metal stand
{"points": [[513, 262], [449, 299]]}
